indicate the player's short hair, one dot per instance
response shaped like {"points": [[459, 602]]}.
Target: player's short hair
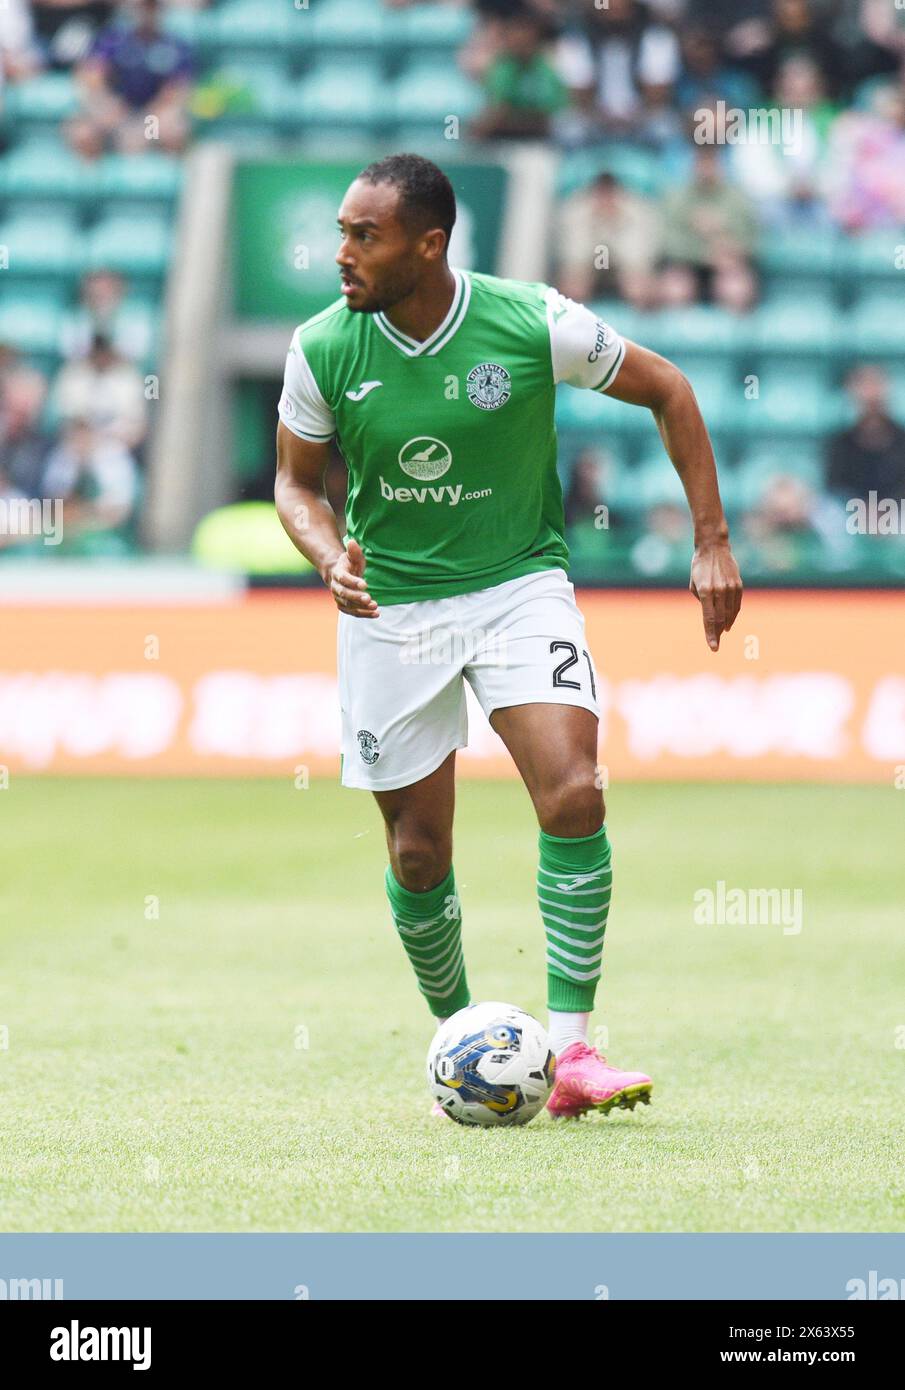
{"points": [[426, 196]]}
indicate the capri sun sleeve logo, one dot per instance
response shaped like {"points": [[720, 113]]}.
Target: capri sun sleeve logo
{"points": [[426, 459]]}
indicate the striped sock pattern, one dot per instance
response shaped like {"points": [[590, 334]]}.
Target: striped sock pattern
{"points": [[574, 884], [430, 929]]}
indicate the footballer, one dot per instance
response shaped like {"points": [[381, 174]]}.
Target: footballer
{"points": [[438, 386]]}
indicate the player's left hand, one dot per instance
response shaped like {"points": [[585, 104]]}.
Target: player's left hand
{"points": [[715, 580]]}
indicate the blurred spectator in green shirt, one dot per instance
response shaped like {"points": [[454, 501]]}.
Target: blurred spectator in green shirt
{"points": [[523, 88]]}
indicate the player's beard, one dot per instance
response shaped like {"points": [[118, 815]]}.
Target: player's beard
{"points": [[392, 288]]}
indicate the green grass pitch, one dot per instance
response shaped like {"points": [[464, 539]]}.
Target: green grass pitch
{"points": [[210, 1025]]}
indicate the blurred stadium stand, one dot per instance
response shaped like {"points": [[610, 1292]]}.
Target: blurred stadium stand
{"points": [[772, 276]]}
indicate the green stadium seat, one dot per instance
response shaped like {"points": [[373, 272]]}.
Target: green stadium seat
{"points": [[131, 244], [249, 25], [45, 170], [656, 483], [347, 26], [875, 324], [256, 89], [800, 324], [592, 417], [620, 316], [150, 177], [31, 322], [874, 255], [699, 328], [794, 399], [800, 458], [48, 243], [800, 253], [897, 391], [427, 28], [195, 27], [330, 98], [715, 384], [430, 92], [639, 169], [48, 99]]}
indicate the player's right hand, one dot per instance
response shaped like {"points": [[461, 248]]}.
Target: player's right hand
{"points": [[345, 580]]}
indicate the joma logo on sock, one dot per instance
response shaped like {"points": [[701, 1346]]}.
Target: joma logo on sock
{"points": [[77, 1343], [749, 907]]}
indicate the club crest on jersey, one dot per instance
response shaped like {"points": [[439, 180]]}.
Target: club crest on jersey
{"points": [[425, 458], [488, 386], [367, 746]]}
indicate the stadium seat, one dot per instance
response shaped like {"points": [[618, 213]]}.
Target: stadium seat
{"points": [[592, 417], [620, 316], [48, 243], [639, 169], [876, 326], [329, 98], [430, 92], [793, 398], [154, 178], [699, 328], [656, 482], [47, 99], [801, 324], [246, 25], [798, 458], [135, 245], [428, 26], [874, 255], [31, 322], [715, 383], [343, 26], [800, 253], [257, 89], [197, 27], [44, 170]]}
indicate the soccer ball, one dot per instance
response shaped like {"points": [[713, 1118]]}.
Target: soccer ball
{"points": [[491, 1064]]}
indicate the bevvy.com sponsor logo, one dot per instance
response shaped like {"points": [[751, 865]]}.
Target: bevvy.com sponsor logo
{"points": [[426, 459]]}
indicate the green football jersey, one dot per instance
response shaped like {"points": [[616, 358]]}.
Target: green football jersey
{"points": [[449, 442]]}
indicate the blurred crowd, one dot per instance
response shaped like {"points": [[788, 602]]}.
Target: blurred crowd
{"points": [[586, 76], [79, 436]]}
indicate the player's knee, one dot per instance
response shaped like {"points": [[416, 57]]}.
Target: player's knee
{"points": [[573, 807], [420, 862]]}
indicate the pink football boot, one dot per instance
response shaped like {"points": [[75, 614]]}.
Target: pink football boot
{"points": [[586, 1081]]}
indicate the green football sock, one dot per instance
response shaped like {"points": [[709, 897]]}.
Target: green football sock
{"points": [[574, 882], [430, 928]]}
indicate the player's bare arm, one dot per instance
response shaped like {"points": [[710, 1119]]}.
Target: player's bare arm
{"points": [[310, 522], [647, 379]]}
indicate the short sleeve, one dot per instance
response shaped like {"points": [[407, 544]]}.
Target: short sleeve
{"points": [[302, 408], [586, 351]]}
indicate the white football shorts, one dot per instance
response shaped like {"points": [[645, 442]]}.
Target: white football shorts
{"points": [[402, 675]]}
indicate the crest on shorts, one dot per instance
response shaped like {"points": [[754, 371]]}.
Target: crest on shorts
{"points": [[488, 386], [367, 746]]}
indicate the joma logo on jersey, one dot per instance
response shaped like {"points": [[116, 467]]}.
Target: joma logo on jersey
{"points": [[488, 386]]}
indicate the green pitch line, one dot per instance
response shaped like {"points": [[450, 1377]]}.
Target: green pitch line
{"points": [[212, 1026]]}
